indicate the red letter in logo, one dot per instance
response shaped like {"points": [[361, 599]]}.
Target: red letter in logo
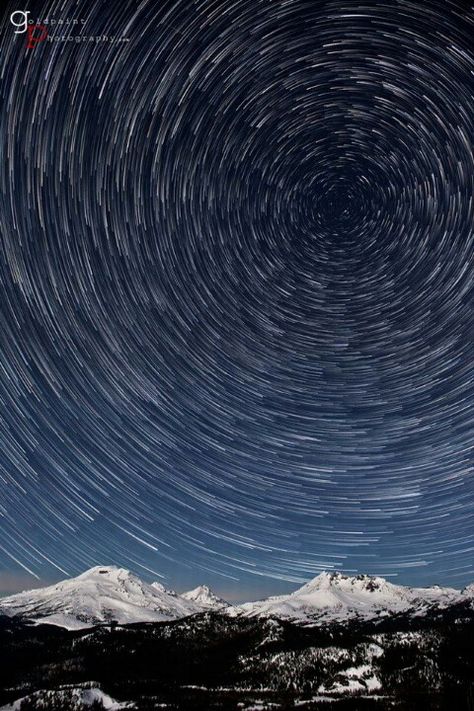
{"points": [[32, 40]]}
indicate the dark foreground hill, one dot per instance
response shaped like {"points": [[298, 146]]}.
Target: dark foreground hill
{"points": [[211, 661]]}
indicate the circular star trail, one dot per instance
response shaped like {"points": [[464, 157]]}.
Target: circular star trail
{"points": [[236, 268]]}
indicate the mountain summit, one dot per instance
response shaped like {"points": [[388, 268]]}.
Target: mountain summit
{"points": [[101, 594], [205, 598], [335, 597]]}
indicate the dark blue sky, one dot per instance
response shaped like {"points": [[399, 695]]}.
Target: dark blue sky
{"points": [[236, 266]]}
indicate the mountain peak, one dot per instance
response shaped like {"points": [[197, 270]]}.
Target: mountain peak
{"points": [[101, 594], [205, 597], [334, 596], [109, 571], [200, 590], [335, 579]]}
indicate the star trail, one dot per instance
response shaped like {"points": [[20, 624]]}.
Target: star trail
{"points": [[236, 268]]}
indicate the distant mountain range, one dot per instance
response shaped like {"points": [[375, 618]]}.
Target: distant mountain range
{"points": [[112, 641], [106, 594]]}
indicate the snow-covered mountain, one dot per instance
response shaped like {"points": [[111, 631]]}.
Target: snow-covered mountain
{"points": [[205, 598], [101, 594], [107, 593], [335, 597], [468, 592]]}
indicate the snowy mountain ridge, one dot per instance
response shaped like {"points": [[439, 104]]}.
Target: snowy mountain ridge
{"points": [[335, 597], [107, 593], [101, 594]]}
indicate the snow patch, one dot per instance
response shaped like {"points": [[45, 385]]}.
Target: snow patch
{"points": [[74, 699]]}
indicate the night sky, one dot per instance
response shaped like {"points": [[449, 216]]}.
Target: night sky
{"points": [[236, 274]]}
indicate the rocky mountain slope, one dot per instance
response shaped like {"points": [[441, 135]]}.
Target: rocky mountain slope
{"points": [[334, 597], [101, 594]]}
